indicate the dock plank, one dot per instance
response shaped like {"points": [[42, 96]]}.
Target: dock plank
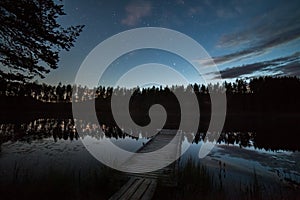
{"points": [[143, 185], [124, 189], [136, 189]]}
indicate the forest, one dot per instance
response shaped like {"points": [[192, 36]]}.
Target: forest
{"points": [[264, 105], [249, 102], [286, 87]]}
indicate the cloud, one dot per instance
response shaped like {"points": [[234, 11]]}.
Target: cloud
{"points": [[288, 66], [135, 11], [281, 19], [180, 2], [236, 72], [195, 10], [264, 46], [222, 12], [227, 9], [276, 27], [291, 69]]}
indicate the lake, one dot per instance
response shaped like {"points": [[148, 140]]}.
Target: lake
{"points": [[31, 152]]}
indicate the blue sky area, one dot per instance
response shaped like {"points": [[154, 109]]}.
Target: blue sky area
{"points": [[246, 38]]}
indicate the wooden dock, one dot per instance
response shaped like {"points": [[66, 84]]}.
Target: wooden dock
{"points": [[136, 188], [142, 185]]}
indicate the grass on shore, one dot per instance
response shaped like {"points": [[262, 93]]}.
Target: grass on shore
{"points": [[98, 183], [196, 181]]}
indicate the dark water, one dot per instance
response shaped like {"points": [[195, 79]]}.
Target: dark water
{"points": [[30, 150]]}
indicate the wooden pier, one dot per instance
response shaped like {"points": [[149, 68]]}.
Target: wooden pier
{"points": [[142, 185]]}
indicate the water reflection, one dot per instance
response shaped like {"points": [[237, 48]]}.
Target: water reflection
{"points": [[41, 145], [58, 129], [64, 129], [243, 139]]}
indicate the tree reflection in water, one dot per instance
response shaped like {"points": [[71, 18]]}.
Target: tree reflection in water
{"points": [[64, 129]]}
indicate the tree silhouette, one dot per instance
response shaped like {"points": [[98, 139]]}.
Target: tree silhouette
{"points": [[196, 88], [31, 38]]}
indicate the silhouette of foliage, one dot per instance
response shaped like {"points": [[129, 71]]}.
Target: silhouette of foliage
{"points": [[64, 129], [31, 38], [264, 105], [281, 90]]}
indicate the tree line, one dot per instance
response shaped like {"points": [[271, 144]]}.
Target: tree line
{"points": [[282, 87]]}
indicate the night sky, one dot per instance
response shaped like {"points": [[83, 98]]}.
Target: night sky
{"points": [[246, 38]]}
